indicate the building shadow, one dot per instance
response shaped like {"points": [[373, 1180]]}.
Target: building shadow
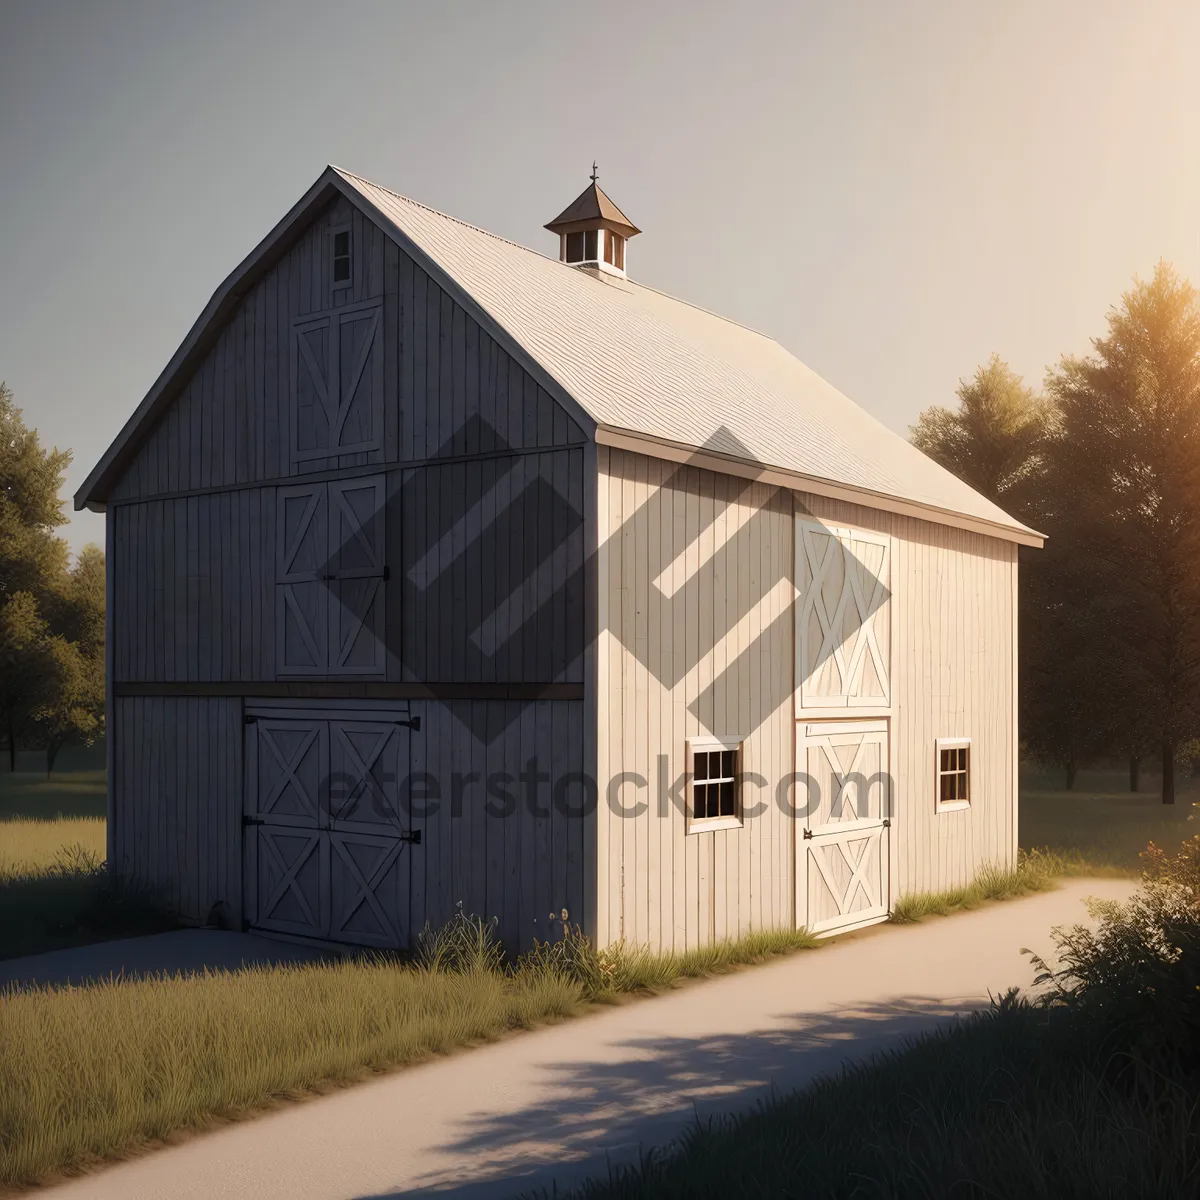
{"points": [[595, 1116]]}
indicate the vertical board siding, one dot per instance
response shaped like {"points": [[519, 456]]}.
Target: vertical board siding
{"points": [[694, 611], [449, 390], [500, 846], [953, 675], [178, 779]]}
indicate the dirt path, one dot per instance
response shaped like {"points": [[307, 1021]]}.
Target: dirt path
{"points": [[557, 1103]]}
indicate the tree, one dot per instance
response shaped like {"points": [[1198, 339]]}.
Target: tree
{"points": [[1124, 465], [51, 616], [25, 667], [994, 439], [71, 700], [32, 558]]}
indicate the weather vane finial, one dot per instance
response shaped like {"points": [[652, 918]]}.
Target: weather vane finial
{"points": [[594, 171]]}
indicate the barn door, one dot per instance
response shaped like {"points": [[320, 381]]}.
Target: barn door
{"points": [[843, 634], [287, 858], [331, 578], [337, 387], [843, 832], [369, 834], [327, 840]]}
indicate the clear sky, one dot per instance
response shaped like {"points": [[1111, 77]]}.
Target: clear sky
{"points": [[893, 190]]}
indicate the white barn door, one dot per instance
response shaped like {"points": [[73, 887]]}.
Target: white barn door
{"points": [[843, 615], [843, 827]]}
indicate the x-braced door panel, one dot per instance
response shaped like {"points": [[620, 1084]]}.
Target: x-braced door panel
{"points": [[843, 615], [288, 763], [844, 828], [327, 840], [337, 387], [331, 578]]}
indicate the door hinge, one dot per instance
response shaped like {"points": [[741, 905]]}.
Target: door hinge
{"points": [[412, 836], [887, 823], [249, 820], [387, 572], [413, 723], [807, 834], [250, 720]]}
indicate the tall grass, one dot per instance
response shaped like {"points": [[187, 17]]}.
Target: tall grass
{"points": [[29, 847], [86, 1072], [69, 900], [93, 1071], [1036, 871]]}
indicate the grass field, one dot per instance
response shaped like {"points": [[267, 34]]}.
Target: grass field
{"points": [[88, 1072], [1101, 821], [54, 891]]}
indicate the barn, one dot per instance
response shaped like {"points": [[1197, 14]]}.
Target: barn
{"points": [[446, 572]]}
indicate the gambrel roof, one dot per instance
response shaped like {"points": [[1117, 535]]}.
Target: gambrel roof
{"points": [[638, 368]]}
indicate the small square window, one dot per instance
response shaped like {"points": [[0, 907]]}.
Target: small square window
{"points": [[715, 789], [341, 257], [953, 773]]}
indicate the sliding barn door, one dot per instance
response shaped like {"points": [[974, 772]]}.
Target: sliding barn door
{"points": [[843, 614], [843, 831]]}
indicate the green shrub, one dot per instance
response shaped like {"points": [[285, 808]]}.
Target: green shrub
{"points": [[1138, 973]]}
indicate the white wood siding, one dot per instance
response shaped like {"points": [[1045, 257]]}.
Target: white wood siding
{"points": [[685, 556], [953, 675]]}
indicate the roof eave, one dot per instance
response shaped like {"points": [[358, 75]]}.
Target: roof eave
{"points": [[696, 456]]}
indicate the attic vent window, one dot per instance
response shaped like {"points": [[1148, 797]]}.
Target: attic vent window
{"points": [[341, 258]]}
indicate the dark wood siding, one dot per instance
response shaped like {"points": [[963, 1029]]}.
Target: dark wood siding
{"points": [[485, 477]]}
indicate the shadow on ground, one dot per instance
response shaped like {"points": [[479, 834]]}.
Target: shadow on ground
{"points": [[189, 951], [596, 1115]]}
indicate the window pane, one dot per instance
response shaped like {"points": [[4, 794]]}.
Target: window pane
{"points": [[341, 243], [589, 252], [700, 765], [618, 251], [946, 760], [728, 807], [729, 763], [608, 246], [705, 800], [341, 269], [574, 247]]}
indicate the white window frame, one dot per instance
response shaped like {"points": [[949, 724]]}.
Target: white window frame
{"points": [[959, 743], [704, 745], [340, 284]]}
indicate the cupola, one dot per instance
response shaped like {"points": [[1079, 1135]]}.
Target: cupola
{"points": [[592, 231]]}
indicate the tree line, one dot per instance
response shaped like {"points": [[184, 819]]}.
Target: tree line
{"points": [[1105, 461], [51, 608]]}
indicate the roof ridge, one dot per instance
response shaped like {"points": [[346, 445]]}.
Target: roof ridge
{"points": [[437, 212]]}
